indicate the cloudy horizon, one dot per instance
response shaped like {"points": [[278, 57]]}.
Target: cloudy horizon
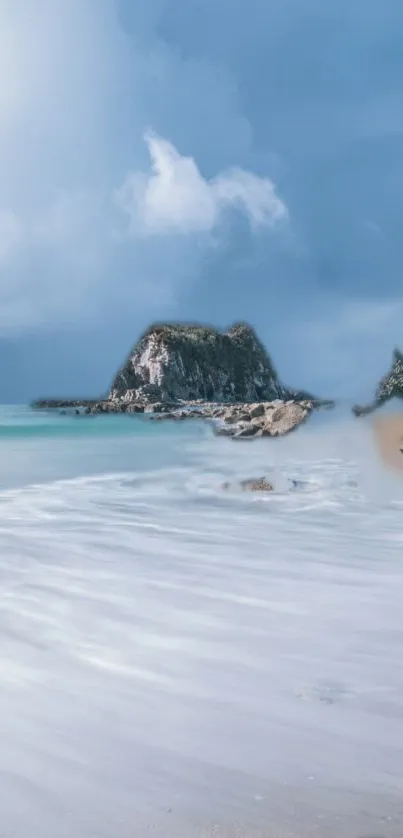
{"points": [[183, 162]]}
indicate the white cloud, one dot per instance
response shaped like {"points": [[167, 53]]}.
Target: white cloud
{"points": [[77, 91], [74, 231], [175, 197]]}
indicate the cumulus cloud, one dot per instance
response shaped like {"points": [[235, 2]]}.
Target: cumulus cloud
{"points": [[80, 81], [175, 197], [79, 87], [53, 257]]}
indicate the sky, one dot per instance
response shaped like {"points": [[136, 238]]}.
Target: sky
{"points": [[206, 161]]}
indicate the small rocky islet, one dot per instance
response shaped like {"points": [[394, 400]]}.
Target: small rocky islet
{"points": [[182, 372], [390, 387]]}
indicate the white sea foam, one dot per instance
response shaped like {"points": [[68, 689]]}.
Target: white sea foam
{"points": [[177, 656]]}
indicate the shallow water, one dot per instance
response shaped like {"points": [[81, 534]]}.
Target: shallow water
{"points": [[178, 660]]}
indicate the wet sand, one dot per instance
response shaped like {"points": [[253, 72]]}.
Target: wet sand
{"points": [[388, 434], [230, 805]]}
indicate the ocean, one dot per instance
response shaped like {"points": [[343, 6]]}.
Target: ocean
{"points": [[179, 660]]}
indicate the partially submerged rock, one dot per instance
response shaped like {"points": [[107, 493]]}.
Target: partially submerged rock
{"points": [[68, 404], [259, 484], [265, 419], [239, 421], [254, 484]]}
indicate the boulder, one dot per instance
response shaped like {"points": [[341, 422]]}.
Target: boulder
{"points": [[257, 410], [284, 419], [247, 432], [254, 484]]}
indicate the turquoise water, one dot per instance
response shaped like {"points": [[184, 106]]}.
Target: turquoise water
{"points": [[37, 446], [177, 660], [19, 421]]}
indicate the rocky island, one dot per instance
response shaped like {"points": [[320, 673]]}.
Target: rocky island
{"points": [[389, 387], [192, 371]]}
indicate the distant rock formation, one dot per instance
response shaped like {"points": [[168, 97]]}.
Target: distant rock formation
{"points": [[188, 363], [389, 387], [188, 371]]}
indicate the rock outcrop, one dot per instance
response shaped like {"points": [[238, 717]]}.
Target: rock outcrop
{"points": [[243, 421], [172, 362], [178, 372], [246, 422], [54, 404], [389, 387]]}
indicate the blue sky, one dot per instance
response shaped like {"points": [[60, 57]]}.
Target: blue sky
{"points": [[200, 160]]}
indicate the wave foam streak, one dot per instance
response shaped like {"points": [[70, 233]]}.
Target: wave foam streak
{"points": [[171, 652]]}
